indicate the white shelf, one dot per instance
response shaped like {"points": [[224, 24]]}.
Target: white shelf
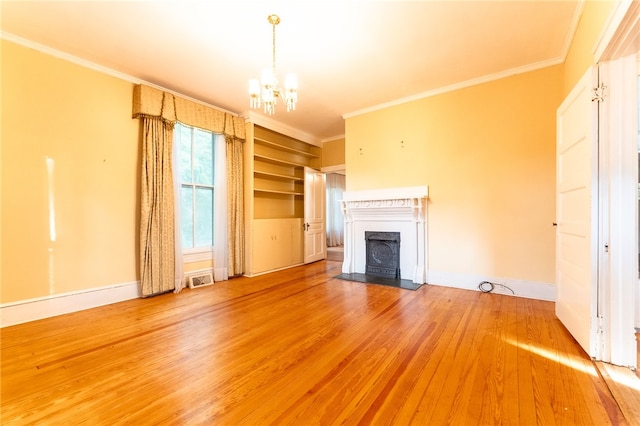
{"points": [[285, 148], [269, 175], [271, 191], [276, 161]]}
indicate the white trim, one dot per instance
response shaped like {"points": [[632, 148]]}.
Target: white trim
{"points": [[572, 29], [522, 288], [637, 321], [609, 30], [458, 86], [276, 126], [619, 148], [57, 304]]}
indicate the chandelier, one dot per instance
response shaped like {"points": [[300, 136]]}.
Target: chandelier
{"points": [[266, 91]]}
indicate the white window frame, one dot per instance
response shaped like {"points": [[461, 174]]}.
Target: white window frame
{"points": [[203, 253]]}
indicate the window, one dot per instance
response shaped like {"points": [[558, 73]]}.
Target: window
{"points": [[196, 173]]}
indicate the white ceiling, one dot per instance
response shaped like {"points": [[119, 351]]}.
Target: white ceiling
{"points": [[348, 55]]}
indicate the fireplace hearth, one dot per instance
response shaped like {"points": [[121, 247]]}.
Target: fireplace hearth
{"points": [[382, 254]]}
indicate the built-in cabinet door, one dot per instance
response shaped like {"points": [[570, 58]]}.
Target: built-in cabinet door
{"points": [[577, 214], [315, 237], [267, 245], [276, 244]]}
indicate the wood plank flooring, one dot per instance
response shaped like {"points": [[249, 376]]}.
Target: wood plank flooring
{"points": [[298, 347]]}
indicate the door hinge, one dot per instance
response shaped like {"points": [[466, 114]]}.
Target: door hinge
{"points": [[600, 325], [598, 93]]}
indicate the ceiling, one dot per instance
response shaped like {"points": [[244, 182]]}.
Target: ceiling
{"points": [[348, 55]]}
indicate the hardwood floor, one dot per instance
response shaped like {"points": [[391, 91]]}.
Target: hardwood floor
{"points": [[299, 347]]}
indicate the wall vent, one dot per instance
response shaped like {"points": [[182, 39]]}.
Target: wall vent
{"points": [[196, 281]]}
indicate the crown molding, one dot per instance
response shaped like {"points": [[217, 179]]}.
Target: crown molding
{"points": [[69, 58], [279, 127], [458, 86], [333, 138], [99, 68], [573, 27]]}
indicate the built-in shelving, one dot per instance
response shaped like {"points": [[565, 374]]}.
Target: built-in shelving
{"points": [[278, 161], [274, 198], [285, 148], [272, 191], [269, 175]]}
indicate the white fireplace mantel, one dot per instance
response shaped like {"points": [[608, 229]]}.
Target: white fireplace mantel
{"points": [[401, 210]]}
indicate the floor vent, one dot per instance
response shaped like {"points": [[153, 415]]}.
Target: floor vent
{"points": [[197, 281]]}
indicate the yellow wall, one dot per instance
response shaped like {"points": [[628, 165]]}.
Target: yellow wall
{"points": [[196, 266], [333, 153], [580, 55], [79, 122], [487, 154]]}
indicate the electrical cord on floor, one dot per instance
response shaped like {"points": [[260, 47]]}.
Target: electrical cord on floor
{"points": [[488, 287]]}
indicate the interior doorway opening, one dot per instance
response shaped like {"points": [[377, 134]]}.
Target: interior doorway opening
{"points": [[336, 185]]}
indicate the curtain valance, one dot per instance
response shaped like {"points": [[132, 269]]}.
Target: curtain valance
{"points": [[151, 102]]}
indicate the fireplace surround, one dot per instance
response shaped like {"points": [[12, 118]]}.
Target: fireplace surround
{"points": [[401, 210]]}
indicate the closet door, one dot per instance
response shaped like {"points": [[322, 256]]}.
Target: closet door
{"points": [[577, 214]]}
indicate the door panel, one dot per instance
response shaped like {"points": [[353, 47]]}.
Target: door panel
{"points": [[315, 237], [577, 214]]}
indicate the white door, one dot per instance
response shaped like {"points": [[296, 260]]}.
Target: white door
{"points": [[577, 214], [315, 237]]}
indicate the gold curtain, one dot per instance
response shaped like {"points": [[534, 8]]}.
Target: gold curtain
{"points": [[148, 101], [157, 236], [235, 242], [165, 107]]}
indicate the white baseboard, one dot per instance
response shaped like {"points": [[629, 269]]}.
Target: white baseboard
{"points": [[58, 304], [521, 288]]}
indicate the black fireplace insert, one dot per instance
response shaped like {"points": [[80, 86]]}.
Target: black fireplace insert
{"points": [[383, 254]]}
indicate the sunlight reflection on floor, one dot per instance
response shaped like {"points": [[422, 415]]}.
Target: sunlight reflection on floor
{"points": [[563, 359], [623, 377]]}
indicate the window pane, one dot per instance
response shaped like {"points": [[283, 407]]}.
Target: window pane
{"points": [[186, 216], [203, 158], [184, 135], [204, 217]]}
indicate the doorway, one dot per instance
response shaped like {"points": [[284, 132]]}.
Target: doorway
{"points": [[336, 184]]}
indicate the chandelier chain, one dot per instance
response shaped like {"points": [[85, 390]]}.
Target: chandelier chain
{"points": [[273, 25]]}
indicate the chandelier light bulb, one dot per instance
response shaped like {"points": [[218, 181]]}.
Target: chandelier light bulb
{"points": [[254, 93], [268, 78], [291, 82]]}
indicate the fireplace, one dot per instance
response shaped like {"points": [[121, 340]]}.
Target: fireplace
{"points": [[383, 254], [402, 211]]}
